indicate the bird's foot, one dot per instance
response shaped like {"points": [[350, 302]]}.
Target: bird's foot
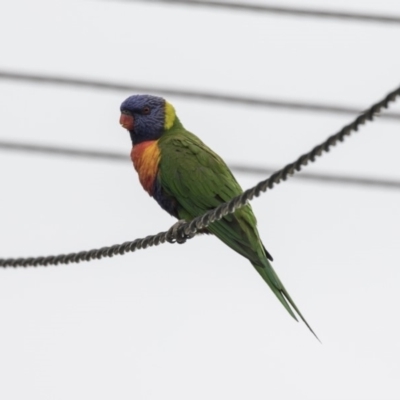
{"points": [[175, 234]]}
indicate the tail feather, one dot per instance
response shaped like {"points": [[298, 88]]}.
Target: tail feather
{"points": [[271, 278]]}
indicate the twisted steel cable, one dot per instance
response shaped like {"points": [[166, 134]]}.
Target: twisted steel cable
{"points": [[185, 230]]}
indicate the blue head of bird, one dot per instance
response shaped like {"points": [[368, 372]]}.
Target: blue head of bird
{"points": [[146, 117]]}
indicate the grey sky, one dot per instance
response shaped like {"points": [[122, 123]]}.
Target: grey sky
{"points": [[196, 321]]}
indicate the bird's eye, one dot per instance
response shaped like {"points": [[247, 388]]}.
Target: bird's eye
{"points": [[146, 110]]}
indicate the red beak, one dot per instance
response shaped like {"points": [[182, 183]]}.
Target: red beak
{"points": [[126, 121]]}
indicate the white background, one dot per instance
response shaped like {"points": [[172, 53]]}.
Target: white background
{"points": [[196, 321]]}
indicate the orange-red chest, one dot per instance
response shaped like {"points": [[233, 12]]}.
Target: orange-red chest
{"points": [[146, 157]]}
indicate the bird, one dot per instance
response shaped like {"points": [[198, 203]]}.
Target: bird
{"points": [[187, 179]]}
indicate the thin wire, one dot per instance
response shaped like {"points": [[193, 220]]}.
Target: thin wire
{"points": [[188, 94], [325, 178], [296, 11], [241, 168], [189, 229], [63, 151]]}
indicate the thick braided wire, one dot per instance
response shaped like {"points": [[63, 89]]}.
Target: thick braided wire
{"points": [[189, 229]]}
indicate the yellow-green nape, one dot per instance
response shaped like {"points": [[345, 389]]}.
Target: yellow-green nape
{"points": [[169, 115]]}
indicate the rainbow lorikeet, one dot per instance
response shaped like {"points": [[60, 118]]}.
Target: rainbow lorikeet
{"points": [[187, 178]]}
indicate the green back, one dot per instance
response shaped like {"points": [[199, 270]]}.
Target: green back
{"points": [[200, 180]]}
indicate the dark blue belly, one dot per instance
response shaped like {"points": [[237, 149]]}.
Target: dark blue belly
{"points": [[166, 201]]}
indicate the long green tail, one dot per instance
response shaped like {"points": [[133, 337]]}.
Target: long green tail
{"points": [[269, 275]]}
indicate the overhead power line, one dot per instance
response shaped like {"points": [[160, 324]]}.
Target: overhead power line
{"points": [[189, 94], [352, 180], [282, 10], [241, 168], [63, 151], [182, 231]]}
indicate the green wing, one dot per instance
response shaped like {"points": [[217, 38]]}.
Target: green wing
{"points": [[200, 180]]}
